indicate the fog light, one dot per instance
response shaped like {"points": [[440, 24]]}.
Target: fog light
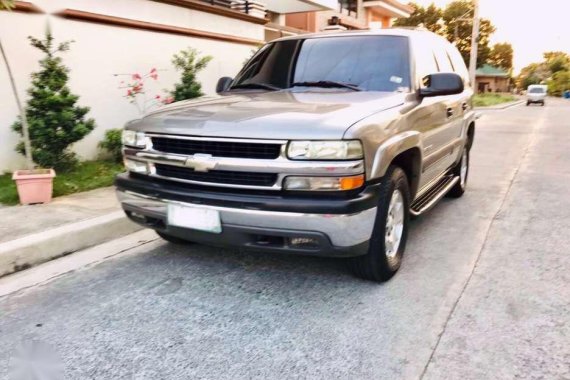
{"points": [[136, 166], [303, 242], [324, 183]]}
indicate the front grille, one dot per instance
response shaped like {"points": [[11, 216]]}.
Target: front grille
{"points": [[217, 148], [217, 176]]}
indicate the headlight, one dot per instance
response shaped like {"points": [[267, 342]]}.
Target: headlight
{"points": [[324, 150], [134, 138], [324, 183]]}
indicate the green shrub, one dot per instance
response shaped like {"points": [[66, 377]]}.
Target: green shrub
{"points": [[189, 63], [112, 144], [55, 121]]}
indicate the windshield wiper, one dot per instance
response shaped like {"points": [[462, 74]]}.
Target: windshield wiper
{"points": [[264, 86], [328, 84]]}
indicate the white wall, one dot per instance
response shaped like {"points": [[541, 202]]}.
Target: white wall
{"points": [[100, 51]]}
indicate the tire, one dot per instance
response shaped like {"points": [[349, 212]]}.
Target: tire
{"points": [[173, 239], [463, 173], [527, 103], [542, 104], [381, 263]]}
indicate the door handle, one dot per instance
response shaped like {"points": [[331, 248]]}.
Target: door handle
{"points": [[464, 106], [449, 112]]}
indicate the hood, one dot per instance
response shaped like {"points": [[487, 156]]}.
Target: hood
{"points": [[296, 114]]}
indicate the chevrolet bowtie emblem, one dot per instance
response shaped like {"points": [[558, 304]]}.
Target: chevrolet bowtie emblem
{"points": [[201, 162]]}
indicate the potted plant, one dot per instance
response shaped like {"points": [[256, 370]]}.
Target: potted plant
{"points": [[34, 186], [46, 136]]}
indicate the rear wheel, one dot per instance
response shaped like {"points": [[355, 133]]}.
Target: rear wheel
{"points": [[173, 239], [388, 240], [461, 170]]}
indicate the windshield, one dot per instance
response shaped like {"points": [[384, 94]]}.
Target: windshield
{"points": [[369, 63], [537, 90]]}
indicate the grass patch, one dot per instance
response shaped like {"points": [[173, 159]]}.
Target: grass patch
{"points": [[492, 99], [87, 175]]}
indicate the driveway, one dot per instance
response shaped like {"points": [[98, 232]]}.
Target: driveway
{"points": [[484, 292]]}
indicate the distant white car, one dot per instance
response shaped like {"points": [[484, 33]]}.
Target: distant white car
{"points": [[536, 93]]}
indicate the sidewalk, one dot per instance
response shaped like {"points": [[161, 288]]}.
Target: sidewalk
{"points": [[31, 235]]}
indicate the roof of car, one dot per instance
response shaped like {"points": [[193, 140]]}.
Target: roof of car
{"points": [[405, 32]]}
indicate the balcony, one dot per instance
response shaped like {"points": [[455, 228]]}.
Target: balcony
{"points": [[388, 8], [259, 8]]}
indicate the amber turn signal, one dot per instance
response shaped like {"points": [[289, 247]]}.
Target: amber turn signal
{"points": [[350, 183]]}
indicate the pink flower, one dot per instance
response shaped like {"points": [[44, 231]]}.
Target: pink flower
{"points": [[154, 76], [157, 97], [153, 70], [129, 93], [136, 77]]}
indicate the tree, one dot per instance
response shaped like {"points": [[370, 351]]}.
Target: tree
{"points": [[458, 19], [559, 82], [428, 17], [9, 5], [455, 23], [557, 61], [502, 56], [189, 63], [6, 4], [535, 73], [55, 122]]}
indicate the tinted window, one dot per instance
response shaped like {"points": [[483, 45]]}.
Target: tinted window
{"points": [[425, 60], [537, 90], [458, 63], [374, 63], [442, 58], [271, 65]]}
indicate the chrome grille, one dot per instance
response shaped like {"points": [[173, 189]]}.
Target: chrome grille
{"points": [[217, 176], [231, 149]]}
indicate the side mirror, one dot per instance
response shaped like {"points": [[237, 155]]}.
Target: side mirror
{"points": [[441, 84], [223, 84]]}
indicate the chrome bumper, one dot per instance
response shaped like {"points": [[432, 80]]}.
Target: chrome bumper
{"points": [[342, 230]]}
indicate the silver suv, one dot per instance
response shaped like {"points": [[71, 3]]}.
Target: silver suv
{"points": [[323, 144]]}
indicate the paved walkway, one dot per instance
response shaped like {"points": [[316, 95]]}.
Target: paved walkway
{"points": [[19, 221]]}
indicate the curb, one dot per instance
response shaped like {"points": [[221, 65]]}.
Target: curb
{"points": [[498, 108], [34, 249]]}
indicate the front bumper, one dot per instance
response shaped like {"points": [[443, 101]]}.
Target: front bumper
{"points": [[332, 234]]}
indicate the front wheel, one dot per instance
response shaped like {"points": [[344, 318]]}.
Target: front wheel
{"points": [[388, 240]]}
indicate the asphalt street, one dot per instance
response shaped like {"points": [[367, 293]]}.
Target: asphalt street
{"points": [[484, 291]]}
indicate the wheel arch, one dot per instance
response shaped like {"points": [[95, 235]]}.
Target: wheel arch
{"points": [[403, 150]]}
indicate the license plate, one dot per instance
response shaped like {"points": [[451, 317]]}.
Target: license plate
{"points": [[194, 217]]}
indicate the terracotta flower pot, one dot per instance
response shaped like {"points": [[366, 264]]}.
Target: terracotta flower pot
{"points": [[34, 186]]}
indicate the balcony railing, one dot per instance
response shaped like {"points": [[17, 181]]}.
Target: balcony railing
{"points": [[252, 8]]}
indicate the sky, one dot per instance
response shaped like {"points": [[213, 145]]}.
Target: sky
{"points": [[532, 27]]}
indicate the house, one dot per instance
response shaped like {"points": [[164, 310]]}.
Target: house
{"points": [[113, 39], [492, 79], [347, 14]]}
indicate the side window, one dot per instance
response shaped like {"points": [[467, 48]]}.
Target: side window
{"points": [[443, 60], [425, 60], [458, 63]]}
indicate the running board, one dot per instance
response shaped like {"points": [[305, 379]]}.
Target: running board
{"points": [[433, 195]]}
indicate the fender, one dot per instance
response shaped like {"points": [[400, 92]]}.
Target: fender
{"points": [[391, 148]]}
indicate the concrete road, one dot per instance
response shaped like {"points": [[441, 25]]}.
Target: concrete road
{"points": [[484, 292]]}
